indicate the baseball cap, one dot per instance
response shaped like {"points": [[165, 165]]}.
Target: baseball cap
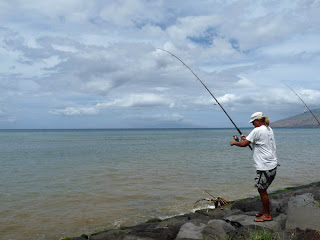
{"points": [[256, 115]]}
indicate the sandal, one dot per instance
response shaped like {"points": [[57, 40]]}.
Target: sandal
{"points": [[259, 214], [262, 219]]}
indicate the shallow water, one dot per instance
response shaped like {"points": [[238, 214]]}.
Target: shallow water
{"points": [[58, 183]]}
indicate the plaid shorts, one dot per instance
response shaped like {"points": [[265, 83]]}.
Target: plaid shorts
{"points": [[263, 179]]}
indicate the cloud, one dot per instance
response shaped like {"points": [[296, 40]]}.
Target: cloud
{"points": [[130, 12], [172, 117], [193, 27], [80, 58], [144, 100], [245, 83], [139, 100], [5, 116], [309, 96], [227, 99], [162, 117], [74, 111]]}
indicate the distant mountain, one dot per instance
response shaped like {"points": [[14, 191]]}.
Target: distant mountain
{"points": [[302, 120]]}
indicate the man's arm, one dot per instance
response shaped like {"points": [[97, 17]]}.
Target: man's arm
{"points": [[243, 143]]}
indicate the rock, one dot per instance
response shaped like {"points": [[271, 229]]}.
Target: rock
{"points": [[303, 218], [163, 230], [301, 200], [79, 238], [295, 212], [190, 231], [153, 220], [303, 213], [307, 234], [247, 219], [109, 235], [246, 205], [217, 229]]}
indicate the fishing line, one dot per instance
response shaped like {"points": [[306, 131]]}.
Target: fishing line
{"points": [[207, 90], [303, 102]]}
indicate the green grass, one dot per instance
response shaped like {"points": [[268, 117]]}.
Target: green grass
{"points": [[262, 235], [281, 190], [255, 235], [292, 188]]}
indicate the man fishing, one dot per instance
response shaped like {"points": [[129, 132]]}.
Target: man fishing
{"points": [[264, 158]]}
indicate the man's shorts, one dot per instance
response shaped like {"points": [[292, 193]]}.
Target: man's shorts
{"points": [[263, 179]]}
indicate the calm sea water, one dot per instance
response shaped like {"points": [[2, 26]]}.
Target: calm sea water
{"points": [[59, 183]]}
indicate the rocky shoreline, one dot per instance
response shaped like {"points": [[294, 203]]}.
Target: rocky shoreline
{"points": [[295, 211]]}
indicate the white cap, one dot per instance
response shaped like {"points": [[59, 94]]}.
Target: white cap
{"points": [[256, 115]]}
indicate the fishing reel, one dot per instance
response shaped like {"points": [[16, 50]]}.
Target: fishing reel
{"points": [[235, 137]]}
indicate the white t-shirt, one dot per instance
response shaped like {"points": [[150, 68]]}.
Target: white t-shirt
{"points": [[264, 148]]}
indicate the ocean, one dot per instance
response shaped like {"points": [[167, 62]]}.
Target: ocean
{"points": [[64, 183]]}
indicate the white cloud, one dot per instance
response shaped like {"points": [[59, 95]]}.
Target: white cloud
{"points": [[6, 117], [161, 89], [64, 48], [205, 101], [54, 8], [245, 83], [223, 47], [293, 47], [309, 96], [82, 58], [131, 12], [139, 100], [75, 111], [227, 98], [98, 86], [169, 117], [192, 26]]}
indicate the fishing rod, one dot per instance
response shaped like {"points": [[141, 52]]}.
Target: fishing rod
{"points": [[207, 90], [303, 102]]}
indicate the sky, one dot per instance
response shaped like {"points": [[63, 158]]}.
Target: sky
{"points": [[97, 64]]}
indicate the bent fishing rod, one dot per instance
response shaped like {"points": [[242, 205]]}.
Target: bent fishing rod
{"points": [[303, 103], [207, 90]]}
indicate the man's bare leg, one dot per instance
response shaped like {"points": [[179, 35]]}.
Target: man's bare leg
{"points": [[265, 212]]}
